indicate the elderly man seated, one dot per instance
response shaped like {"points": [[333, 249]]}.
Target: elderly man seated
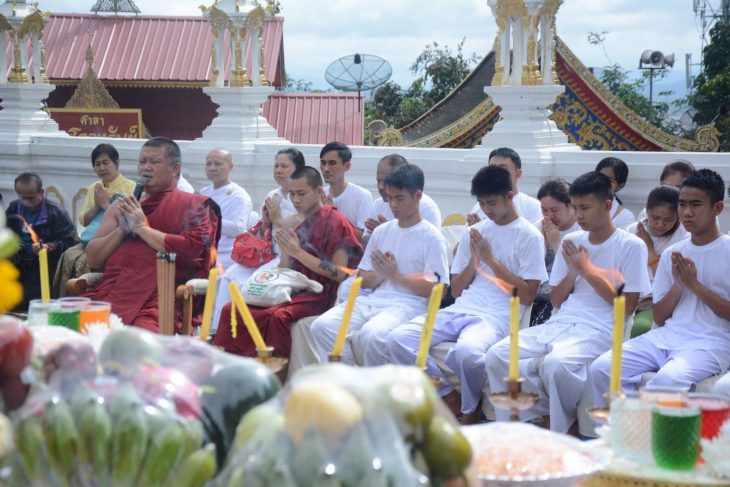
{"points": [[132, 232]]}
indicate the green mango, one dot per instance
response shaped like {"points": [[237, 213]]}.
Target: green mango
{"points": [[128, 446], [196, 470], [310, 458], [62, 441], [446, 450], [229, 394], [95, 433]]}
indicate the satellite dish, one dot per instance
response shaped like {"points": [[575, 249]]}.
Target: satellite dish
{"points": [[358, 72]]}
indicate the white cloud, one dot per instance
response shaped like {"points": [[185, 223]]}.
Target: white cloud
{"points": [[319, 31]]}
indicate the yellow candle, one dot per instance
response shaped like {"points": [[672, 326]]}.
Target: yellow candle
{"points": [[433, 306], [45, 288], [253, 330], [514, 332], [345, 323], [234, 320], [619, 316], [209, 300]]}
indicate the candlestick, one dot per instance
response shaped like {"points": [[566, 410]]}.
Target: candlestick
{"points": [[514, 331], [45, 288], [619, 316], [248, 320], [339, 346], [208, 307], [434, 302]]}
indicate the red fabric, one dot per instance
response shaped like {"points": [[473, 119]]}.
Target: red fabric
{"points": [[322, 234], [130, 274]]}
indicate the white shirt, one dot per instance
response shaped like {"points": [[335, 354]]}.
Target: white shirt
{"points": [[693, 324], [427, 207], [518, 246], [525, 205], [235, 205], [622, 219], [545, 287], [417, 249], [660, 243], [184, 185], [623, 252], [354, 203]]}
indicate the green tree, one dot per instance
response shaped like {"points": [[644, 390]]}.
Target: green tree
{"points": [[711, 95], [631, 90], [438, 71]]}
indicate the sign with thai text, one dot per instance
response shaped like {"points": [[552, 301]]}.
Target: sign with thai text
{"points": [[123, 123]]}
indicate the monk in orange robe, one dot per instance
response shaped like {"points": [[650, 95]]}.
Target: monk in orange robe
{"points": [[320, 248], [132, 232]]}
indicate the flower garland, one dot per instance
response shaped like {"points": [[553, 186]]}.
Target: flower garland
{"points": [[12, 291]]}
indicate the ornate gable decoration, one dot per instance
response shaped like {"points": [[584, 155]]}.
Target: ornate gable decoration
{"points": [[91, 93], [115, 6]]}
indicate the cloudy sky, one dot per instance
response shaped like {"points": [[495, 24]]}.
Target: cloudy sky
{"points": [[317, 32]]}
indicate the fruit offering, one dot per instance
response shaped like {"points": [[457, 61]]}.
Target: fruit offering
{"points": [[107, 434], [16, 346], [339, 426]]}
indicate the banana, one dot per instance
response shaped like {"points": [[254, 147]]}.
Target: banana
{"points": [[95, 432], [196, 470], [62, 441], [163, 453], [128, 446], [30, 442], [193, 437]]}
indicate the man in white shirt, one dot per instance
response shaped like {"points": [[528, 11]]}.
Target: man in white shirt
{"points": [[380, 210], [351, 200], [233, 200], [505, 246], [554, 357], [691, 301], [398, 264], [525, 205], [184, 185]]}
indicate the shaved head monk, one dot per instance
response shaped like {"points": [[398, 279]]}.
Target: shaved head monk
{"points": [[132, 232]]}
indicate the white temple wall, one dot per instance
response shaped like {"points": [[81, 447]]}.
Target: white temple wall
{"points": [[63, 162]]}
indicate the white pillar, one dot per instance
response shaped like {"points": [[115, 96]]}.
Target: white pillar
{"points": [[21, 116], [220, 61], [36, 42], [3, 58], [253, 39]]}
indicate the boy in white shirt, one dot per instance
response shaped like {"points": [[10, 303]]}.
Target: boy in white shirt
{"points": [[398, 262], [380, 210], [233, 200], [691, 301], [351, 200], [505, 246], [554, 356], [525, 205]]}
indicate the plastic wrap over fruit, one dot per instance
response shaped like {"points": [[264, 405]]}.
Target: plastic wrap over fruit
{"points": [[338, 426], [147, 410]]}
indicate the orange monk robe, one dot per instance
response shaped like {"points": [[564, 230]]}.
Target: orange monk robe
{"points": [[321, 234], [191, 222]]}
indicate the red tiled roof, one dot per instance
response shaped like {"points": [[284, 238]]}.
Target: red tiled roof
{"points": [[145, 48], [317, 118]]}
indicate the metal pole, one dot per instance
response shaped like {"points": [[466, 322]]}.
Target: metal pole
{"points": [[651, 91]]}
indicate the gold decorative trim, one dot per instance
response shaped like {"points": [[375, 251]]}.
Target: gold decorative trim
{"points": [[57, 194], [138, 83], [75, 204], [459, 128], [91, 93], [706, 138]]}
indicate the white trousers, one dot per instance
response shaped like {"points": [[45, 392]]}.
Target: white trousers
{"points": [[554, 360], [674, 368], [238, 274], [473, 336], [370, 324]]}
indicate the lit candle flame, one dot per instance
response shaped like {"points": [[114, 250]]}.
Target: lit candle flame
{"points": [[506, 287], [347, 270], [611, 277], [33, 235]]}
